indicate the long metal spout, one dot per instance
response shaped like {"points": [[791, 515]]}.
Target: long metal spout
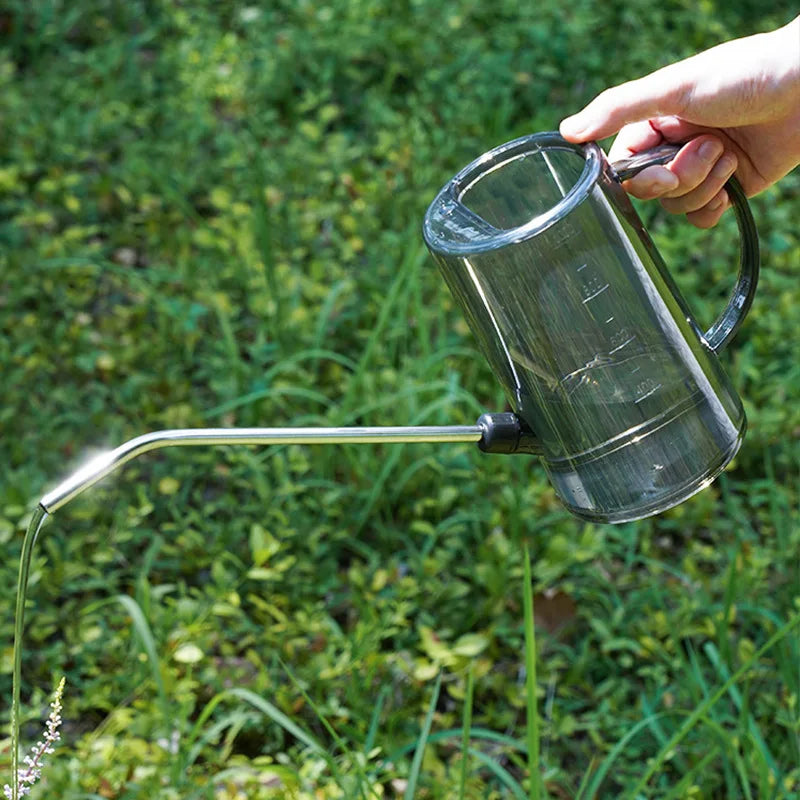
{"points": [[105, 463]]}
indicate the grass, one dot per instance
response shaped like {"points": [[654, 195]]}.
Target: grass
{"points": [[210, 215], [532, 718]]}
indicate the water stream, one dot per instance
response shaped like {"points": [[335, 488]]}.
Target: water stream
{"points": [[35, 525]]}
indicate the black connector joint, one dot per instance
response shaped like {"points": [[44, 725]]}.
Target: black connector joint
{"points": [[506, 433]]}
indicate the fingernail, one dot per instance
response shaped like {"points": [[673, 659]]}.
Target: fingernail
{"points": [[572, 126], [725, 166], [710, 150]]}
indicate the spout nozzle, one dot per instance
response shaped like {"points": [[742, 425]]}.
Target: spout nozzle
{"points": [[506, 433]]}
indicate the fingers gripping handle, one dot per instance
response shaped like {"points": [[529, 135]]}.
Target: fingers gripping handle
{"points": [[661, 154], [728, 323]]}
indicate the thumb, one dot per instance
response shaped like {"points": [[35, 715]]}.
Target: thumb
{"points": [[661, 93]]}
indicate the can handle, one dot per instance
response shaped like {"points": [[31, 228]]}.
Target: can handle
{"points": [[728, 323]]}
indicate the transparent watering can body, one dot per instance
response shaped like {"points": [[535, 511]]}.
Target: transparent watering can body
{"points": [[579, 319]]}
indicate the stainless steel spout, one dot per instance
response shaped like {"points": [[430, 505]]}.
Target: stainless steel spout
{"points": [[105, 463]]}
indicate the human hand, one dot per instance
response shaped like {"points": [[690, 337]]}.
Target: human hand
{"points": [[736, 107]]}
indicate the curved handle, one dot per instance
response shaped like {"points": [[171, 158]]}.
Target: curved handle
{"points": [[724, 329]]}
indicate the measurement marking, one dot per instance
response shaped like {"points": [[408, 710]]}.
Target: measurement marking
{"points": [[645, 396], [610, 319], [592, 296], [635, 370], [583, 266], [619, 347]]}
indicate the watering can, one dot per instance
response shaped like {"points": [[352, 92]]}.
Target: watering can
{"points": [[609, 377]]}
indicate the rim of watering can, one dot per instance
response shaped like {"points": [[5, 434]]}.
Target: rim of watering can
{"points": [[483, 236]]}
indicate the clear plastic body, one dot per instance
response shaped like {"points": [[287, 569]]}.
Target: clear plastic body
{"points": [[574, 309]]}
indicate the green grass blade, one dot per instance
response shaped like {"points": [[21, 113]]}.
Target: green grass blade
{"points": [[326, 313], [585, 780], [659, 734], [678, 792], [372, 732], [729, 750], [208, 710], [322, 718], [264, 226], [456, 733], [277, 716], [723, 626], [193, 745], [433, 388], [362, 777], [503, 775], [232, 722], [384, 317], [466, 725], [197, 737], [273, 393], [696, 681], [142, 628], [608, 761], [530, 680], [416, 763], [752, 727]]}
